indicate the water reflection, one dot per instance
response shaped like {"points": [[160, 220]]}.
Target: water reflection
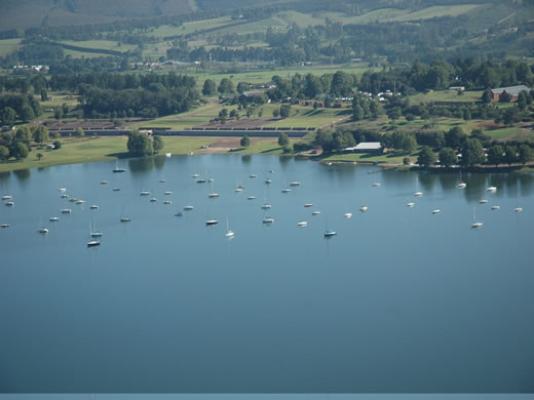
{"points": [[22, 175], [140, 166]]}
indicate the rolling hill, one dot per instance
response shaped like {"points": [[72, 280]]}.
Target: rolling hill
{"points": [[22, 14]]}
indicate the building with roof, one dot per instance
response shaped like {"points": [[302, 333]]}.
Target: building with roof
{"points": [[366, 147], [513, 91]]}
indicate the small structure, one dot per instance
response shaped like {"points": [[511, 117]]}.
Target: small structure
{"points": [[366, 147], [513, 91]]}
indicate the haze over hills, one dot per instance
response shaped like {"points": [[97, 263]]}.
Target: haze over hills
{"points": [[23, 14]]}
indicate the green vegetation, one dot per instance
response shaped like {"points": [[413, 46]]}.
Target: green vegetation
{"points": [[8, 46]]}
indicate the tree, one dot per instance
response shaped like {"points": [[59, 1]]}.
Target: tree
{"points": [[79, 132], [40, 135], [58, 113], [245, 141], [57, 144], [157, 144], [23, 135], [426, 157], [472, 153], [448, 157], [495, 154], [510, 154], [357, 112], [19, 150], [234, 114], [209, 88], [283, 139], [8, 116], [226, 87], [404, 141], [285, 110], [505, 97], [40, 156], [26, 113], [4, 153], [522, 100], [455, 137], [526, 154], [276, 113], [139, 144], [487, 96]]}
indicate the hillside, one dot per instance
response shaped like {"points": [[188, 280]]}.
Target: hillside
{"points": [[22, 14]]}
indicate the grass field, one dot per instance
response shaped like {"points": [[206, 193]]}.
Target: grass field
{"points": [[307, 117], [198, 116], [56, 99], [446, 96], [8, 46], [189, 27], [81, 150], [366, 158], [266, 75], [100, 45]]}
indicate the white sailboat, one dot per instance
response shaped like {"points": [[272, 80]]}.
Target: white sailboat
{"points": [[93, 233], [476, 224], [302, 224], [117, 169], [229, 233]]}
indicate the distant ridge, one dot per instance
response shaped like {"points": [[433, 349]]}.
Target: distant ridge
{"points": [[22, 14]]}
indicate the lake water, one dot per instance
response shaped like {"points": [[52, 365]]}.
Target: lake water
{"points": [[401, 300]]}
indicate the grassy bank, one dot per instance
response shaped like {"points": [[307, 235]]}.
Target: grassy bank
{"points": [[87, 149]]}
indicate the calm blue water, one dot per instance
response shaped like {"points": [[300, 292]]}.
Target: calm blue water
{"points": [[400, 301]]}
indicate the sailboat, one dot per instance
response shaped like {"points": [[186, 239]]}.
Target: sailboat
{"points": [[229, 233], [212, 194], [117, 169], [475, 224], [93, 233], [329, 233], [124, 218], [93, 243], [268, 220], [302, 224], [364, 209]]}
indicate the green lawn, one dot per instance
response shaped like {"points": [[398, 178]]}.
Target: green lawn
{"points": [[79, 150], [446, 96], [8, 46], [436, 12], [307, 117], [351, 157], [100, 44], [198, 116], [189, 27]]}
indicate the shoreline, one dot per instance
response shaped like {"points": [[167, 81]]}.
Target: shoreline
{"points": [[95, 149]]}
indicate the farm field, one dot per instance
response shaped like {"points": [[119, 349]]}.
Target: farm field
{"points": [[8, 46]]}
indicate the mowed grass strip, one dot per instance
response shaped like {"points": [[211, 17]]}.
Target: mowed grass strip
{"points": [[87, 149]]}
